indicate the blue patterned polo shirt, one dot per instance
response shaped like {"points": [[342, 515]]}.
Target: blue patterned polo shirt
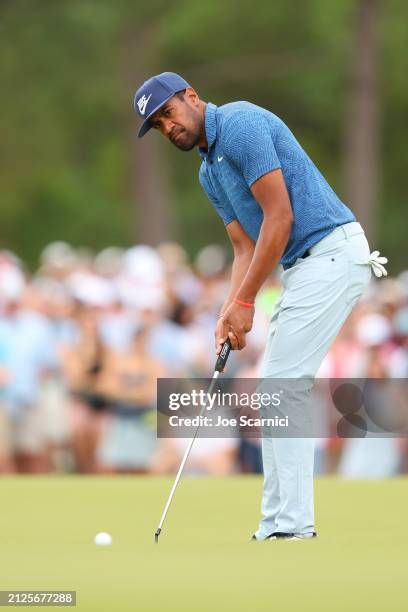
{"points": [[245, 142]]}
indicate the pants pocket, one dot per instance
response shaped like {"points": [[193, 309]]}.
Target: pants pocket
{"points": [[358, 252]]}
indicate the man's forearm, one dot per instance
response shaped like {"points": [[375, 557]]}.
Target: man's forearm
{"points": [[270, 245], [239, 270]]}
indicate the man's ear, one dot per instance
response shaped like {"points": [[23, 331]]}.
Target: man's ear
{"points": [[192, 96]]}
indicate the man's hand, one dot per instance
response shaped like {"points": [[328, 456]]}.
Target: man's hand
{"points": [[234, 324]]}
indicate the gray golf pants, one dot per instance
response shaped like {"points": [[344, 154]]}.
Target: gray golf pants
{"points": [[318, 294]]}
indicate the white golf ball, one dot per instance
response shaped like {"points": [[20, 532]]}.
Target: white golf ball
{"points": [[103, 539]]}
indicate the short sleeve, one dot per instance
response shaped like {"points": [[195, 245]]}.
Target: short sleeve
{"points": [[223, 208], [249, 145]]}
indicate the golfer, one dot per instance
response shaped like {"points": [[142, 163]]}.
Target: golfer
{"points": [[277, 208]]}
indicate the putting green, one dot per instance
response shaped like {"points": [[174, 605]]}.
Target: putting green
{"points": [[204, 560]]}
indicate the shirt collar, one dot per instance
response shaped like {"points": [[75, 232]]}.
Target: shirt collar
{"points": [[210, 127]]}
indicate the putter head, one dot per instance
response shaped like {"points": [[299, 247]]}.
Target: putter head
{"points": [[156, 535]]}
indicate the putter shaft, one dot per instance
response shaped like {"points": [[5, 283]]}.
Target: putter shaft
{"points": [[219, 366]]}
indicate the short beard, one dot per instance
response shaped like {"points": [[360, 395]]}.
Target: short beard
{"points": [[186, 145]]}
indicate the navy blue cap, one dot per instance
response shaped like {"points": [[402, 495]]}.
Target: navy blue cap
{"points": [[154, 93]]}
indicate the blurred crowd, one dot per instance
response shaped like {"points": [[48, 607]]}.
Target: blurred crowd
{"points": [[84, 339]]}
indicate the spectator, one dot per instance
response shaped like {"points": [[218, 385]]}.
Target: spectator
{"points": [[84, 361], [128, 382]]}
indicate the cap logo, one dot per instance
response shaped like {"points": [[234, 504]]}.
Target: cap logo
{"points": [[142, 103]]}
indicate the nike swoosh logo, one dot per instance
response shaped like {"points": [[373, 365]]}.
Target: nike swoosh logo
{"points": [[142, 103], [220, 158]]}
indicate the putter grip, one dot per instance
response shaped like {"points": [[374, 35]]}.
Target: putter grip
{"points": [[223, 356]]}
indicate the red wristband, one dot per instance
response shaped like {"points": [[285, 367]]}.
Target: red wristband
{"points": [[244, 304]]}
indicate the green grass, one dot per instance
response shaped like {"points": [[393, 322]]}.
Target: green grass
{"points": [[204, 561]]}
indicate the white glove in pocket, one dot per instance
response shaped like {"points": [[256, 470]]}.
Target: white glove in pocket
{"points": [[377, 264]]}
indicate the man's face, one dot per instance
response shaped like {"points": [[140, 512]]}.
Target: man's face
{"points": [[180, 120]]}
